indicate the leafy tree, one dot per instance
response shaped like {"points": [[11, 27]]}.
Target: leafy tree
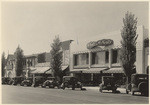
{"points": [[19, 61], [3, 64], [128, 42], [56, 59]]}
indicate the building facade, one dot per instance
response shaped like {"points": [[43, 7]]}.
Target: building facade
{"points": [[10, 66], [96, 56], [39, 64]]}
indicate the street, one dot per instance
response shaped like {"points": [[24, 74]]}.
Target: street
{"points": [[30, 95]]}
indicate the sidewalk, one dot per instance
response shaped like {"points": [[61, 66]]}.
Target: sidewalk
{"points": [[96, 88]]}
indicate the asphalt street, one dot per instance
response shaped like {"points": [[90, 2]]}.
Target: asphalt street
{"points": [[31, 95]]}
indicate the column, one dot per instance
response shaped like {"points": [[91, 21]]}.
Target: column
{"points": [[90, 59], [110, 57]]}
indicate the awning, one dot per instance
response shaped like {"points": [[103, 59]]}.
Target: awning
{"points": [[94, 70], [77, 70], [48, 71], [40, 70], [64, 67], [32, 68], [114, 70], [91, 70]]}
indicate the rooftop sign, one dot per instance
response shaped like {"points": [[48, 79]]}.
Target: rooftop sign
{"points": [[103, 42]]}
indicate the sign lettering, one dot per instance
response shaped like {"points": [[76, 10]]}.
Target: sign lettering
{"points": [[103, 42]]}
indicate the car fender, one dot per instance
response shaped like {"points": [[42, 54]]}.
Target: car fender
{"points": [[143, 86]]}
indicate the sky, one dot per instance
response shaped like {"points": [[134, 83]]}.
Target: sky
{"points": [[34, 25]]}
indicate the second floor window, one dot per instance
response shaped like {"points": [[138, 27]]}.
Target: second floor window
{"points": [[114, 56], [94, 58], [81, 59], [107, 57], [76, 60]]}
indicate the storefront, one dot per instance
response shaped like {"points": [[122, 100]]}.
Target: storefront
{"points": [[94, 57]]}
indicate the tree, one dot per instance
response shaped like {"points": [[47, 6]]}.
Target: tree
{"points": [[19, 61], [56, 59], [128, 42], [3, 64]]}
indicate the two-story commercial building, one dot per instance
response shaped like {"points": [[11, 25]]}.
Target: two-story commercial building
{"points": [[93, 57], [39, 64]]}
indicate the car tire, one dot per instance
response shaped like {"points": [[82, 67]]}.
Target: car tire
{"points": [[132, 93], [127, 92], [100, 90]]}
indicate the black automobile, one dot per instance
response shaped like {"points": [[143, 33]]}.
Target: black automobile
{"points": [[51, 82], [27, 82], [140, 83], [17, 80], [38, 81], [71, 82], [108, 83], [11, 81], [5, 80]]}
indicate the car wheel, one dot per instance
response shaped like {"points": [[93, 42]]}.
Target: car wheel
{"points": [[100, 90], [132, 92], [127, 92]]}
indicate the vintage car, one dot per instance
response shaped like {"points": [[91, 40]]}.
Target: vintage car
{"points": [[108, 83], [11, 81], [140, 83], [27, 82], [5, 80], [51, 82], [71, 82], [38, 81], [17, 80]]}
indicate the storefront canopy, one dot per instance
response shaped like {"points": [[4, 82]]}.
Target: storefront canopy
{"points": [[114, 70], [40, 70], [64, 67], [48, 71], [91, 70]]}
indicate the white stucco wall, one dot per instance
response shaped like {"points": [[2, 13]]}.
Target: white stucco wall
{"points": [[80, 45]]}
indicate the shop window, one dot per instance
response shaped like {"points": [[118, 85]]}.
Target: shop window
{"points": [[106, 56], [12, 66], [114, 56], [87, 58], [31, 62], [76, 57], [94, 58]]}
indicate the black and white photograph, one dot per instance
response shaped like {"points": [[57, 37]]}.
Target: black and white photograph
{"points": [[74, 52]]}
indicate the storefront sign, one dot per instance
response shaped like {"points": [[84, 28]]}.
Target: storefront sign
{"points": [[103, 42]]}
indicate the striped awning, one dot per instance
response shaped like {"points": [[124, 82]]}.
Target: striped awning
{"points": [[40, 70], [114, 70]]}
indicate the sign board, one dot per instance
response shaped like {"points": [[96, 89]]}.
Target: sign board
{"points": [[103, 42]]}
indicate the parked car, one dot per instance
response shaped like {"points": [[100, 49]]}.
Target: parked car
{"points": [[71, 82], [38, 81], [17, 80], [108, 83], [139, 83], [11, 81], [5, 80], [27, 82], [51, 82]]}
